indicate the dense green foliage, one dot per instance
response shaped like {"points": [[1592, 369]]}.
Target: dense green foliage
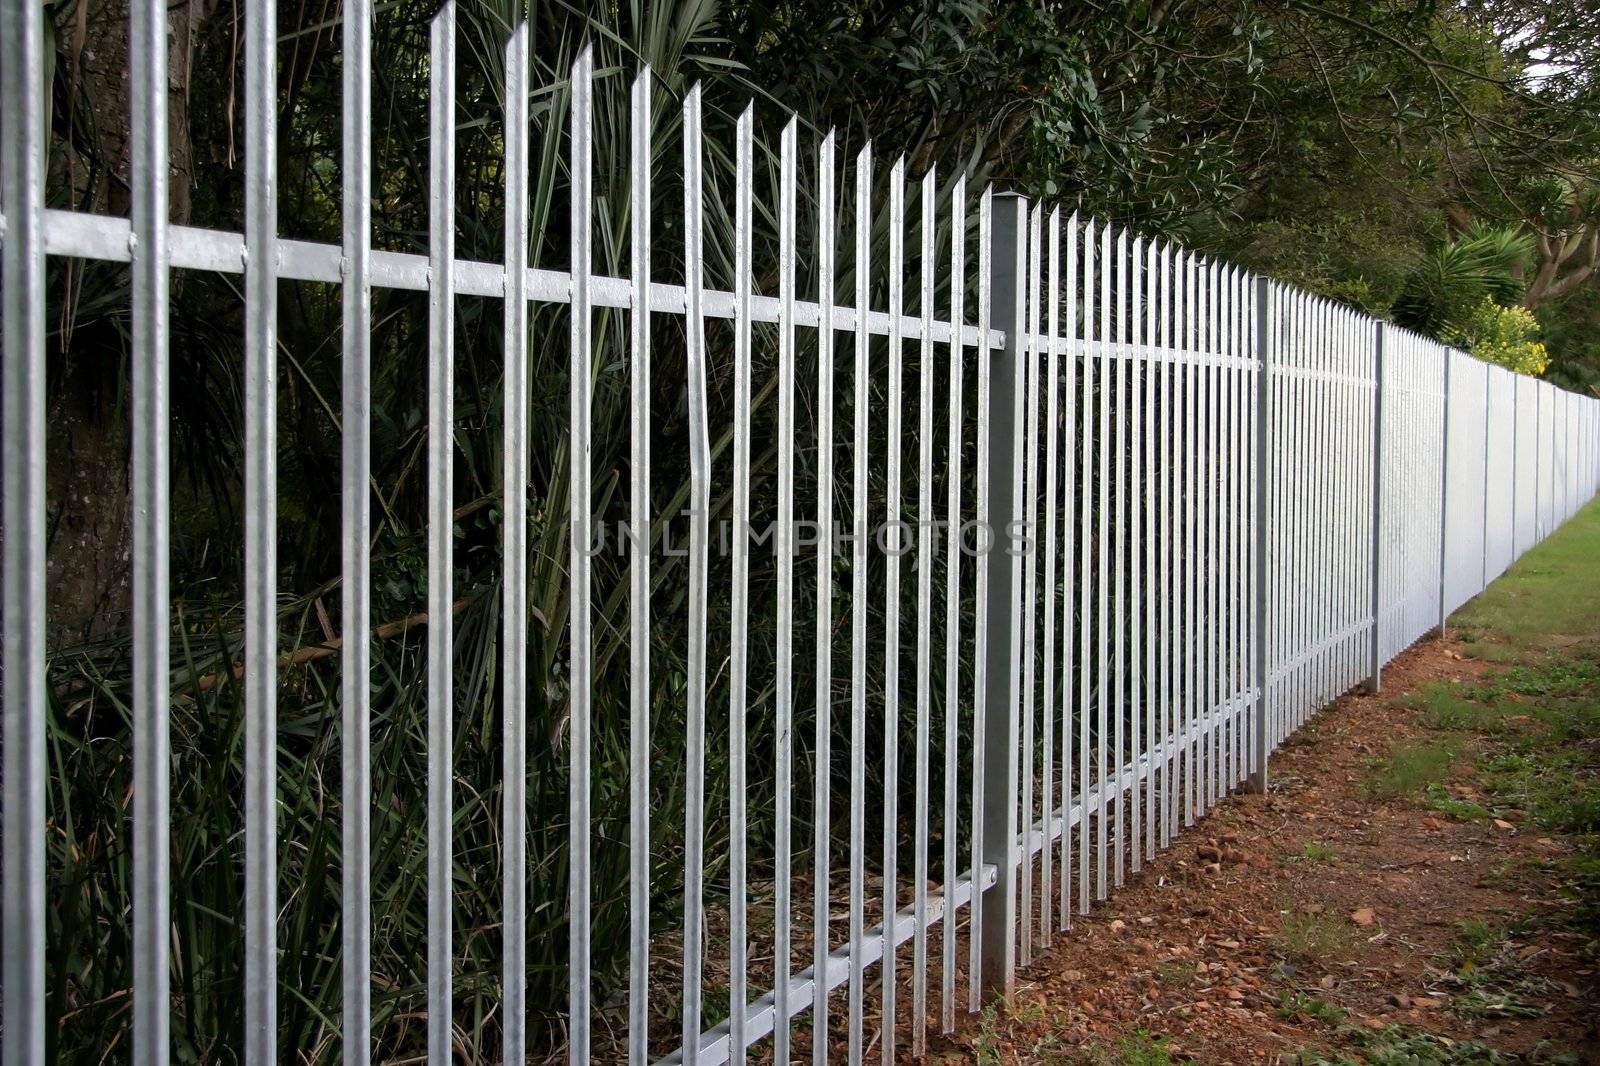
{"points": [[1392, 153]]}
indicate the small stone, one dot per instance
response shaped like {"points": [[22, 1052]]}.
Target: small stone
{"points": [[1501, 823], [1400, 999], [1364, 916], [1327, 981]]}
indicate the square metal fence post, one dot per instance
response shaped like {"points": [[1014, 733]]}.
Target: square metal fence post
{"points": [[1380, 339], [1266, 326], [999, 816]]}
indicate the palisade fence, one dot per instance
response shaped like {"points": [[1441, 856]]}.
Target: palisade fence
{"points": [[1118, 519]]}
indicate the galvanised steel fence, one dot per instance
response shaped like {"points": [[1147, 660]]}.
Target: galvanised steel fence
{"points": [[1138, 514]]}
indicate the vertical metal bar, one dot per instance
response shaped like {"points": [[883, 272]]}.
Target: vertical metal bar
{"points": [[1177, 521], [739, 598], [441, 521], [1191, 554], [1538, 461], [1239, 604], [1238, 595], [925, 531], [952, 595], [639, 576], [1119, 564], [1325, 522], [1444, 492], [891, 606], [1302, 556], [1028, 346], [1071, 576], [1331, 590], [1335, 448], [1103, 551], [1047, 697], [1169, 528], [1380, 342], [1349, 506], [580, 495], [1087, 546], [1515, 388], [514, 674], [1202, 559], [1205, 559], [23, 628], [1284, 308], [1213, 550], [1236, 610], [1134, 413], [148, 276], [1005, 416], [980, 637], [1147, 483], [1216, 546], [1296, 636], [788, 153], [1488, 421], [858, 605], [260, 538], [1262, 549], [22, 326], [822, 784], [355, 653], [699, 564]]}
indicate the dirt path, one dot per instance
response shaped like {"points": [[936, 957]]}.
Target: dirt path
{"points": [[1382, 905]]}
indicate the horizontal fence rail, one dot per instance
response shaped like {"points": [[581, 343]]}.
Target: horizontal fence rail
{"points": [[1071, 527]]}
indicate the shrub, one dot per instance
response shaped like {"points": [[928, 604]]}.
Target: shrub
{"points": [[1506, 336]]}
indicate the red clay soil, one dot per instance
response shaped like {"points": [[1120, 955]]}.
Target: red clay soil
{"points": [[1212, 955]]}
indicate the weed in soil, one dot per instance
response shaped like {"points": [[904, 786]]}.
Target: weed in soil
{"points": [[1296, 1006], [1398, 1046], [1317, 937], [1139, 1048], [1317, 851]]}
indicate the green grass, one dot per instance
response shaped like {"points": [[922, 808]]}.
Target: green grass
{"points": [[1399, 1046], [1551, 593], [1411, 768], [1534, 724], [1462, 810], [986, 1046], [1447, 706]]}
